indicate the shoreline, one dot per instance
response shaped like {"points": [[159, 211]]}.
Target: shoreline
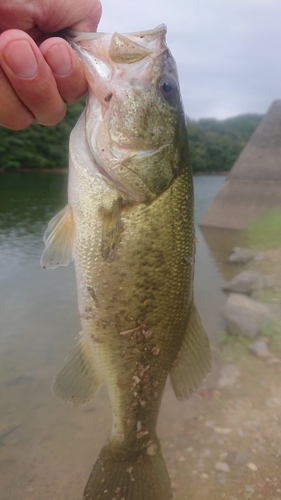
{"points": [[64, 170], [38, 170]]}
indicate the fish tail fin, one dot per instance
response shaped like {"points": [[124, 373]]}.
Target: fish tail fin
{"points": [[121, 474]]}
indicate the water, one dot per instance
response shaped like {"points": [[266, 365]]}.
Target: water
{"points": [[46, 448]]}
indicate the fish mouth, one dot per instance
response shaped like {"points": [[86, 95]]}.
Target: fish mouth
{"points": [[75, 36]]}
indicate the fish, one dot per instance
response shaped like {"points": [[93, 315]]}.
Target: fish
{"points": [[129, 228]]}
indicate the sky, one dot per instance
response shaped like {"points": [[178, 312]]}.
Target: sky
{"points": [[228, 52]]}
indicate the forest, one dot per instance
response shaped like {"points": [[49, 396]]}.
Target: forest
{"points": [[214, 144]]}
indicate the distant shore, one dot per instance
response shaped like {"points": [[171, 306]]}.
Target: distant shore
{"points": [[64, 170], [38, 170]]}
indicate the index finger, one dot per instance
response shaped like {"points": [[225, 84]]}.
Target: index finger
{"points": [[30, 77]]}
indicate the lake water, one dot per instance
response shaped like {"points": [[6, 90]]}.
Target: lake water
{"points": [[46, 448]]}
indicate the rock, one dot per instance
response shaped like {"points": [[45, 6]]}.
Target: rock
{"points": [[243, 315], [260, 348], [228, 376], [222, 430], [270, 281], [222, 467], [241, 255], [252, 466], [249, 489], [245, 282], [274, 402], [238, 457], [273, 361], [243, 457], [204, 476], [206, 452]]}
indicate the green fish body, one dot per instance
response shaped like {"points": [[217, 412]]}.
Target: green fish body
{"points": [[129, 228]]}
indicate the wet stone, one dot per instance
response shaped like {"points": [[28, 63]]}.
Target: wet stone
{"points": [[243, 315], [252, 466], [206, 452], [245, 282], [241, 255], [249, 489], [238, 457], [228, 376], [260, 348], [222, 467], [274, 402]]}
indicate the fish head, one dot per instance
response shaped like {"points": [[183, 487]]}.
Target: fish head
{"points": [[134, 111]]}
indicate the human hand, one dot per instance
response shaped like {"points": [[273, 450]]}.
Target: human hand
{"points": [[39, 74]]}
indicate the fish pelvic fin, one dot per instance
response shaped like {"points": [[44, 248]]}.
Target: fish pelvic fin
{"points": [[77, 381], [122, 473], [194, 358], [58, 239]]}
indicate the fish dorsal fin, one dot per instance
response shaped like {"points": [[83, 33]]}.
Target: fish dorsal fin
{"points": [[58, 239], [77, 382], [194, 358], [124, 50]]}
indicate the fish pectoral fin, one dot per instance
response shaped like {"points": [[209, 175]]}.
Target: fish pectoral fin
{"points": [[58, 239], [77, 381], [194, 358], [111, 231]]}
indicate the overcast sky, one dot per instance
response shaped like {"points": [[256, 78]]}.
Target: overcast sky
{"points": [[228, 52]]}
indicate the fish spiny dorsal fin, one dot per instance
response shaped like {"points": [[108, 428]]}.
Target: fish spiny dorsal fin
{"points": [[194, 359], [124, 50], [58, 239], [77, 381]]}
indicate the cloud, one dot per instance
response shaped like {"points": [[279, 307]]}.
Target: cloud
{"points": [[228, 53]]}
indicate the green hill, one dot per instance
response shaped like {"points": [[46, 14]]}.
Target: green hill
{"points": [[38, 146], [214, 144]]}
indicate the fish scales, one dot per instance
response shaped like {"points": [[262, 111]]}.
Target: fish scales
{"points": [[127, 288], [129, 228]]}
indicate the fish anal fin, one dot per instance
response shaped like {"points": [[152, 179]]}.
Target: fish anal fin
{"points": [[194, 358], [77, 382], [111, 230], [58, 239]]}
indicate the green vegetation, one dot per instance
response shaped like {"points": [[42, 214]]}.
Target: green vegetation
{"points": [[265, 233], [38, 146], [214, 144], [268, 295], [270, 328]]}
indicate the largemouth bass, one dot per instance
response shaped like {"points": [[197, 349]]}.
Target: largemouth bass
{"points": [[129, 228]]}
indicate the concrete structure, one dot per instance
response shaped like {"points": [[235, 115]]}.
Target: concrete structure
{"points": [[253, 187]]}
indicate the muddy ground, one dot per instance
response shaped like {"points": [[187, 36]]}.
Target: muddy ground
{"points": [[228, 443]]}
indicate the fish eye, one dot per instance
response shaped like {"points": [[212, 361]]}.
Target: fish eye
{"points": [[168, 87]]}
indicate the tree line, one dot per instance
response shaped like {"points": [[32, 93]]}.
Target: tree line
{"points": [[214, 144]]}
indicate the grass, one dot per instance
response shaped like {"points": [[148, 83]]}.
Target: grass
{"points": [[270, 328], [265, 233], [269, 296], [233, 347]]}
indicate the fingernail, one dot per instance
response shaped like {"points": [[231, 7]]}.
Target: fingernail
{"points": [[59, 59], [21, 59]]}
